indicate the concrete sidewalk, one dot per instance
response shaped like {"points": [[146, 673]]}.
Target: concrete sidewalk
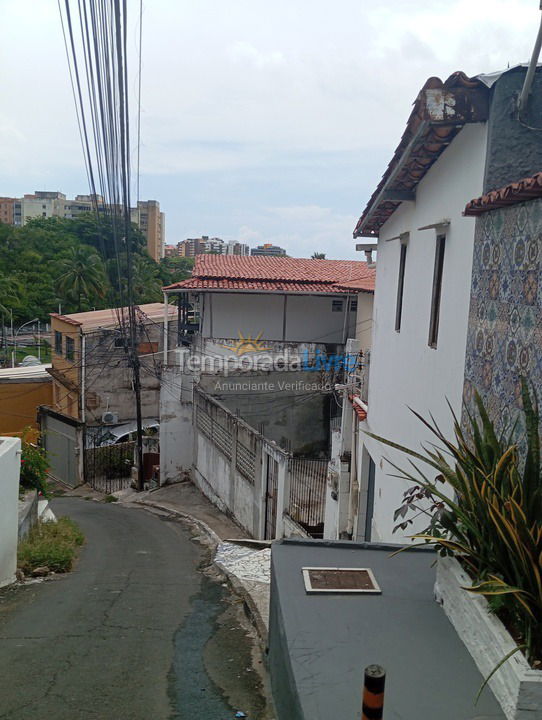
{"points": [[245, 562]]}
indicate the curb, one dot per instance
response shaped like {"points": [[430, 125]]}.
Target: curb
{"points": [[251, 607], [213, 537], [235, 584]]}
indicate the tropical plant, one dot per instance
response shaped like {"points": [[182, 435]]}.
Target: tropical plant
{"points": [[34, 464], [318, 256], [82, 274], [485, 507]]}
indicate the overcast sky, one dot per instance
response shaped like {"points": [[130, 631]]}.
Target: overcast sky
{"points": [[261, 121]]}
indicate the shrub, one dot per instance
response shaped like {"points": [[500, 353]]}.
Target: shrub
{"points": [[52, 544], [34, 465], [493, 520]]}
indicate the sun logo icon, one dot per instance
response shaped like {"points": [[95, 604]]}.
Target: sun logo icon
{"points": [[247, 344]]}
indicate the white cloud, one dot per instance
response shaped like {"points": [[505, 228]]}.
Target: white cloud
{"points": [[238, 87], [245, 53]]}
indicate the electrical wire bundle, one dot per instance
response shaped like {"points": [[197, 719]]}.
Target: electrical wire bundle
{"points": [[95, 36]]}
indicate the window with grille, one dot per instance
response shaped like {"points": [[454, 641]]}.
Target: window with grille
{"points": [[58, 342], [437, 291], [70, 349], [400, 287]]}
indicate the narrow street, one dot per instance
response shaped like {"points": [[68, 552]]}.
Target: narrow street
{"points": [[136, 631]]}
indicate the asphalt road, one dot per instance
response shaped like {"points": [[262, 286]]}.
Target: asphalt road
{"points": [[118, 637]]}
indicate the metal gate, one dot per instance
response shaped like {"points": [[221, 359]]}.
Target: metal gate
{"points": [[108, 468], [62, 438], [308, 481], [271, 498]]}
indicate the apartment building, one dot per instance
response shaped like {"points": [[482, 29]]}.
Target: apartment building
{"points": [[152, 223], [47, 203], [268, 249], [211, 246]]}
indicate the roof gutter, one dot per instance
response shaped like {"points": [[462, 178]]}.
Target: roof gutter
{"points": [[334, 293], [396, 170]]}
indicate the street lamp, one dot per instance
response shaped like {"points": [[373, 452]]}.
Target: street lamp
{"points": [[14, 351]]}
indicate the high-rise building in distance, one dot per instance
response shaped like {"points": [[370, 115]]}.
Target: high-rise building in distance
{"points": [[52, 203]]}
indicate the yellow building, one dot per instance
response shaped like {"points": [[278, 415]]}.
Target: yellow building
{"points": [[151, 222], [91, 372], [22, 391]]}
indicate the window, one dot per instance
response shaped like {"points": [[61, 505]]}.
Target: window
{"points": [[354, 305], [336, 306], [400, 285], [70, 349], [437, 289], [58, 342]]}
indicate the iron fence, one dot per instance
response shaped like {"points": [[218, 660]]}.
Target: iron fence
{"points": [[307, 501], [109, 468], [214, 423]]}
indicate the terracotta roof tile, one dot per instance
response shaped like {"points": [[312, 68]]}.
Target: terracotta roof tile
{"points": [[511, 194], [462, 100], [278, 274]]}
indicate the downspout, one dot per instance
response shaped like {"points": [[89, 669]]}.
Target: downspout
{"points": [[345, 321], [166, 328], [83, 375], [529, 77], [353, 477]]}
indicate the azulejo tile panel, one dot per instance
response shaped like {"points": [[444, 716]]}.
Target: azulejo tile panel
{"points": [[504, 339]]}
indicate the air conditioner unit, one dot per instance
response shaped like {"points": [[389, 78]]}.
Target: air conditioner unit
{"points": [[110, 418]]}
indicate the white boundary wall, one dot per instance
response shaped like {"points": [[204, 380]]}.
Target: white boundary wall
{"points": [[10, 463]]}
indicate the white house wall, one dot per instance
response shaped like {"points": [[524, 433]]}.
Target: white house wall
{"points": [[306, 318], [364, 321], [310, 318], [404, 370]]}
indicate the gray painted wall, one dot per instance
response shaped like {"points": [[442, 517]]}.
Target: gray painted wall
{"points": [[513, 150], [285, 403]]}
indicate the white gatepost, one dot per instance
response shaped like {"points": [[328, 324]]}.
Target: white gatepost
{"points": [[283, 494], [10, 465]]}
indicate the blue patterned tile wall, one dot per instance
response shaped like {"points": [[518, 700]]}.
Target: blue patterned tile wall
{"points": [[504, 339]]}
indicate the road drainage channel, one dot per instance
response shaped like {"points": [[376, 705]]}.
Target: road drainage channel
{"points": [[212, 674]]}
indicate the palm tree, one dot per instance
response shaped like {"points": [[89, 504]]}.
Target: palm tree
{"points": [[318, 256], [82, 275]]}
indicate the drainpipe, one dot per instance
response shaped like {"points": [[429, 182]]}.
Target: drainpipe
{"points": [[166, 329], [345, 321], [527, 85], [83, 375], [353, 479]]}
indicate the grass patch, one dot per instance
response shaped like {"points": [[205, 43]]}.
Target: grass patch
{"points": [[51, 544], [110, 498]]}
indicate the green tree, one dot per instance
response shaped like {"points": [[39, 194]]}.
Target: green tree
{"points": [[175, 269], [318, 256], [82, 275]]}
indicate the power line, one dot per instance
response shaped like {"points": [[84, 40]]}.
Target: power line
{"points": [[98, 62]]}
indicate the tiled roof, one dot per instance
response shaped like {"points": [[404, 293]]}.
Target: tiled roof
{"points": [[440, 110], [278, 274], [517, 192], [94, 319]]}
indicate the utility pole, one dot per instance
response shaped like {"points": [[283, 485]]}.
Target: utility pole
{"points": [[12, 340], [137, 392]]}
